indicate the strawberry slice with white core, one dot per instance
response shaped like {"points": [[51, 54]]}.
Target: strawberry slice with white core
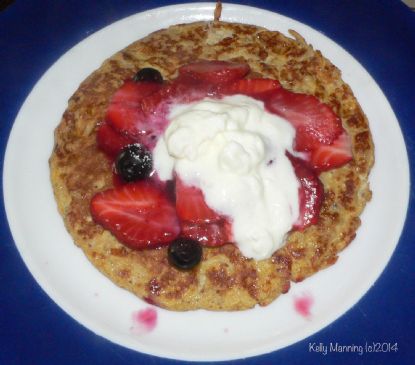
{"points": [[158, 104], [124, 112], [138, 214], [326, 157], [213, 72], [311, 193], [314, 121], [256, 88], [191, 205], [110, 141], [208, 234]]}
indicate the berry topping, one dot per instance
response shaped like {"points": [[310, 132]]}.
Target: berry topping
{"points": [[110, 141], [125, 113], [213, 72], [138, 214], [184, 253], [134, 163], [327, 157], [314, 121], [158, 103], [191, 205], [311, 193], [256, 88], [151, 213], [148, 74], [208, 234]]}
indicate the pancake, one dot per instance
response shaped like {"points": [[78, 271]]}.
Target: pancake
{"points": [[224, 280]]}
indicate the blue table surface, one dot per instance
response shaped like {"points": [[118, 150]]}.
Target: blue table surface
{"points": [[380, 34]]}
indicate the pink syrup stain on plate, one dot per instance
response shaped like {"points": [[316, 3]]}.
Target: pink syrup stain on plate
{"points": [[144, 321], [303, 304]]}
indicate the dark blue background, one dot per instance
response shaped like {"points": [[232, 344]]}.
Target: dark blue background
{"points": [[33, 34]]}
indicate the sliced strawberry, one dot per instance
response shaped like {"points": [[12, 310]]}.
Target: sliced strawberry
{"points": [[208, 234], [151, 103], [251, 87], [213, 72], [159, 103], [191, 205], [314, 121], [188, 93], [124, 112], [110, 141], [311, 194], [138, 214], [337, 154]]}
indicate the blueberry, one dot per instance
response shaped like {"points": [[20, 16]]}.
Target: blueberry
{"points": [[184, 253], [148, 74], [134, 163]]}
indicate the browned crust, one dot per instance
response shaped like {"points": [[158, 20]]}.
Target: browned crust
{"points": [[224, 280]]}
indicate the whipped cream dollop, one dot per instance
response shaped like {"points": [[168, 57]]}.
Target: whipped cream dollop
{"points": [[234, 151]]}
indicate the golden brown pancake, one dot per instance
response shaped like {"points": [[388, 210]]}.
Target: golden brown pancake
{"points": [[224, 280]]}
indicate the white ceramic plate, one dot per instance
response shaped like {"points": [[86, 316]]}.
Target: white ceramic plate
{"points": [[75, 285]]}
